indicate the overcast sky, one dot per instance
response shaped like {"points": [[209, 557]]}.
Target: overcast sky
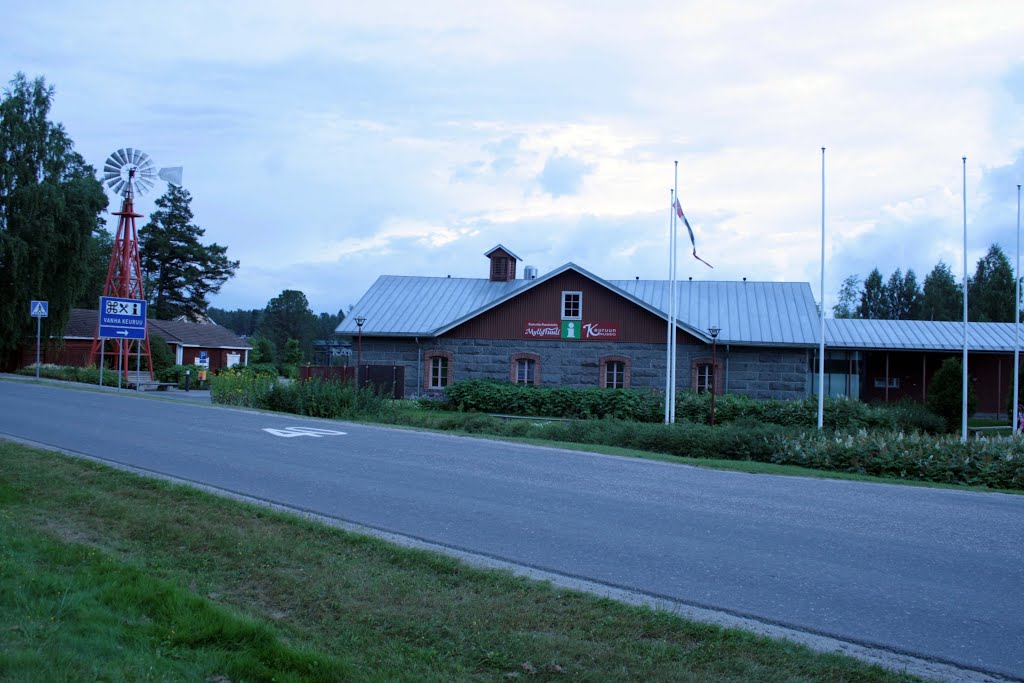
{"points": [[329, 143]]}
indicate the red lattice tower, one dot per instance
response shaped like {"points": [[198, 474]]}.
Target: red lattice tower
{"points": [[124, 275]]}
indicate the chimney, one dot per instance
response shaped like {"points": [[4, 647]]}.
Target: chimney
{"points": [[503, 264], [530, 273]]}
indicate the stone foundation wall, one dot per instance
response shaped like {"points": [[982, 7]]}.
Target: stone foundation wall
{"points": [[759, 373]]}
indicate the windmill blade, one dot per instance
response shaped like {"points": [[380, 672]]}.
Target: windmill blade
{"points": [[111, 165], [119, 186], [133, 156], [171, 174], [143, 185], [108, 176], [122, 156]]}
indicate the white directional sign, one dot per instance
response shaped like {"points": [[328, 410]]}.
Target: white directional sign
{"points": [[40, 309], [122, 318], [289, 432]]}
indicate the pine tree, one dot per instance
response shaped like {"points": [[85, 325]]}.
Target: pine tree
{"points": [[873, 304], [902, 296], [990, 292], [181, 272], [942, 298], [50, 203]]}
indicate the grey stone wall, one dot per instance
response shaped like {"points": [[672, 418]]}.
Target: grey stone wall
{"points": [[759, 373], [768, 373]]}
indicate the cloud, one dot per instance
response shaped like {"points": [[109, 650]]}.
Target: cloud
{"points": [[563, 175]]}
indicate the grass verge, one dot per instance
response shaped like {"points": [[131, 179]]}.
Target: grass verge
{"points": [[108, 576]]}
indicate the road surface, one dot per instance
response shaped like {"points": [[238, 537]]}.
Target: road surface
{"points": [[935, 573]]}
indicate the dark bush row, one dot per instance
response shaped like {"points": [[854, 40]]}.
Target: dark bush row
{"points": [[485, 396], [316, 398], [504, 398]]}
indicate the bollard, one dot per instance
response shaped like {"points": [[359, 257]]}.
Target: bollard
{"points": [[188, 374]]}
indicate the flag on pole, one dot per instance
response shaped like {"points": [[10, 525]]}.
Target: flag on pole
{"points": [[693, 242]]}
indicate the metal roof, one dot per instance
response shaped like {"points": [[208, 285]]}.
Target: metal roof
{"points": [[918, 335], [748, 313], [763, 313], [399, 305]]}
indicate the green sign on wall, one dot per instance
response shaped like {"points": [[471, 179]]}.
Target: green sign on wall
{"points": [[571, 329]]}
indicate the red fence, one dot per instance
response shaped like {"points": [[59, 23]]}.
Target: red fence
{"points": [[384, 379]]}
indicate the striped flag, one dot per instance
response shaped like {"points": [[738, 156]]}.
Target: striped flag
{"points": [[693, 242]]}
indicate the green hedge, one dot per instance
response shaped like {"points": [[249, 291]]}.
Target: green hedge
{"points": [[316, 398], [71, 373], [485, 396], [504, 398]]}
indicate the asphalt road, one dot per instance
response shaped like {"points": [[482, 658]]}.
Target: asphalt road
{"points": [[935, 573]]}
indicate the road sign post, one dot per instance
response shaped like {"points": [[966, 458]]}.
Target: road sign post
{"points": [[39, 310], [121, 319]]}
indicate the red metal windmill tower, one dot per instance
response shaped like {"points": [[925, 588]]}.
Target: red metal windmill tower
{"points": [[124, 171]]}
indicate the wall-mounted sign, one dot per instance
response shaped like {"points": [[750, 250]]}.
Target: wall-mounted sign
{"points": [[608, 331], [542, 330], [572, 329]]}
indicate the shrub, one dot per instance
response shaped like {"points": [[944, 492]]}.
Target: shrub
{"points": [[160, 352], [488, 396], [945, 394], [316, 398], [268, 369], [176, 374], [262, 350]]}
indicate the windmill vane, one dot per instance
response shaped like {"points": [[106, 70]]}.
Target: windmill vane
{"points": [[130, 167]]}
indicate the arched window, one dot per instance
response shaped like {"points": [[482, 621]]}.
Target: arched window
{"points": [[615, 371], [524, 368], [705, 376], [437, 368]]}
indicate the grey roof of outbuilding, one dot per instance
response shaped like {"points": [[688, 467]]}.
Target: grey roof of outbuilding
{"points": [[762, 313], [82, 325], [917, 335]]}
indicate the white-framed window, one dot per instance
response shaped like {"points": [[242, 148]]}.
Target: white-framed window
{"points": [[705, 377], [526, 369], [572, 305], [894, 383], [438, 369], [615, 375], [438, 372]]}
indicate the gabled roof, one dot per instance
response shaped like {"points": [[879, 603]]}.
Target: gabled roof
{"points": [[82, 325], [918, 335], [764, 313], [504, 249]]}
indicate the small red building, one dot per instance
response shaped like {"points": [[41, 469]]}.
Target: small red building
{"points": [[188, 342]]}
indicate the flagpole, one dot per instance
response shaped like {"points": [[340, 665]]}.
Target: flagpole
{"points": [[963, 408], [675, 293], [1016, 328], [821, 346], [668, 317]]}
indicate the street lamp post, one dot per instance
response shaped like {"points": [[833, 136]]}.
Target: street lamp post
{"points": [[359, 347], [713, 331]]}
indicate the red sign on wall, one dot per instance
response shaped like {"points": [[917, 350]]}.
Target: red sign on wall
{"points": [[609, 331], [543, 330]]}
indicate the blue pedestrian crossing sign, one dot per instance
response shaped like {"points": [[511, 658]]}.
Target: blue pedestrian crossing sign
{"points": [[40, 309], [122, 318]]}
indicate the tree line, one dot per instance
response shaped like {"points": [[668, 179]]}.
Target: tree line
{"points": [[284, 331], [990, 293]]}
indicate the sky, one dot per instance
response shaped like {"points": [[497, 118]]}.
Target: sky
{"points": [[328, 143]]}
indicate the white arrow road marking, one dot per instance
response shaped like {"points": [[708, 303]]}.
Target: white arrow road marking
{"points": [[289, 432]]}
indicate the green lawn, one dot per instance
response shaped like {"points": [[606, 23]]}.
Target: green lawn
{"points": [[108, 576]]}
